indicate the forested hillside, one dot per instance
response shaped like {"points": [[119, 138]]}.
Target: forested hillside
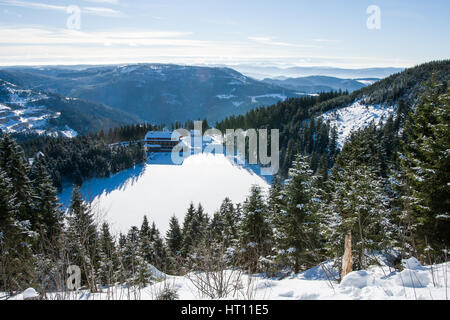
{"points": [[30, 111], [298, 119], [73, 160]]}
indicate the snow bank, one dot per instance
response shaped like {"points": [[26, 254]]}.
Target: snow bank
{"points": [[358, 279], [413, 278], [412, 264], [30, 293], [324, 271]]}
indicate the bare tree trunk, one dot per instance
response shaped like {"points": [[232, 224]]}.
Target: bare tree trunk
{"points": [[347, 262], [362, 253]]}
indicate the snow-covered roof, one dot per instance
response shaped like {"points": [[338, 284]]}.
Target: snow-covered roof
{"points": [[162, 135]]}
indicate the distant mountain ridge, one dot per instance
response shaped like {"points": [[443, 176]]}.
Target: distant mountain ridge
{"points": [[261, 72], [158, 93], [314, 84]]}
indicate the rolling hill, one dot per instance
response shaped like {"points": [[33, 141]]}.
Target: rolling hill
{"points": [[24, 110], [155, 92]]}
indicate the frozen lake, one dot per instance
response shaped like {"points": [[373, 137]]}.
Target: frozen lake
{"points": [[159, 189]]}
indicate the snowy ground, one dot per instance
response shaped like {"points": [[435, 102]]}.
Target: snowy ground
{"points": [[377, 283], [354, 117], [415, 282]]}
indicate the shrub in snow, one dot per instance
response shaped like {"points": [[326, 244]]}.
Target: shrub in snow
{"points": [[30, 293], [267, 266], [168, 294], [358, 279], [413, 278]]}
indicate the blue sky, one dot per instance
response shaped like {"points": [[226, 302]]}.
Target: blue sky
{"points": [[283, 32]]}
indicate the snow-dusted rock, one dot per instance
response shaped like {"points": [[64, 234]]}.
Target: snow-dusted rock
{"points": [[358, 279]]}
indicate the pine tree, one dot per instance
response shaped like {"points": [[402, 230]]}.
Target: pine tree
{"points": [[49, 216], [144, 255], [425, 166], [216, 228], [298, 225], [83, 238], [16, 262], [145, 240], [108, 259], [122, 272], [17, 169], [187, 232], [256, 233], [230, 219], [159, 250], [174, 237], [224, 226], [194, 228], [358, 205], [130, 254]]}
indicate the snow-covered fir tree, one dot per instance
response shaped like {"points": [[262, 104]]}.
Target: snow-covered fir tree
{"points": [[255, 233], [83, 238], [298, 222], [425, 164]]}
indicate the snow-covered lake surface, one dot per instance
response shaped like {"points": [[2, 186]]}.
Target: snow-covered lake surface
{"points": [[159, 189]]}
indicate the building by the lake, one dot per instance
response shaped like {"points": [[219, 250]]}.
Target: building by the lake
{"points": [[161, 141]]}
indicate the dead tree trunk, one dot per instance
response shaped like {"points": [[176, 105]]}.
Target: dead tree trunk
{"points": [[347, 262]]}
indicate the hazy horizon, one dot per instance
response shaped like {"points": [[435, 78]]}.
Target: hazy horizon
{"points": [[349, 34]]}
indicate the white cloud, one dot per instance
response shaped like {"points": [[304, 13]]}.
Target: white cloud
{"points": [[104, 1], [33, 5], [37, 45], [97, 11], [327, 40], [106, 12], [33, 36], [272, 42]]}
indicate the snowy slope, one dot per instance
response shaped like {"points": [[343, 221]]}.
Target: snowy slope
{"points": [[356, 116], [22, 111]]}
